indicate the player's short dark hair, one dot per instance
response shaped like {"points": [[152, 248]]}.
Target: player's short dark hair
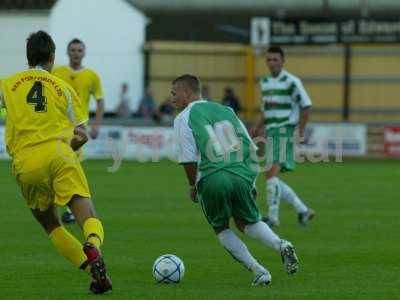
{"points": [[39, 48], [75, 41], [191, 81], [276, 49]]}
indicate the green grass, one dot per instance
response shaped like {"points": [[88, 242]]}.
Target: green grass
{"points": [[350, 251]]}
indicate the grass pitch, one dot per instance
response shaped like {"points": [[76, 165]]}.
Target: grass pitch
{"points": [[350, 251]]}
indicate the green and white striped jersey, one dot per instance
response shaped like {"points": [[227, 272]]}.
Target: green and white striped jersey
{"points": [[211, 135], [282, 98]]}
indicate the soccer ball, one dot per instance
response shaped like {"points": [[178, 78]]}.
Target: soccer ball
{"points": [[168, 268]]}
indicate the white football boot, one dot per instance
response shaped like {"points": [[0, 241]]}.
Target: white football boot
{"points": [[289, 257], [262, 278]]}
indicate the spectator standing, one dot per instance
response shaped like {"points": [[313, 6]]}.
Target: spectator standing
{"points": [[123, 106], [147, 107]]}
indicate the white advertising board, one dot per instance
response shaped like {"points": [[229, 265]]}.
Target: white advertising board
{"points": [[156, 143], [336, 139]]}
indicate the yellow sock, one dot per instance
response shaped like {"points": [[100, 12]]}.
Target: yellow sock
{"points": [[93, 231], [68, 246]]}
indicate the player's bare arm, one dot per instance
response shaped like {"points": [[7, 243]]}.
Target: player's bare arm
{"points": [[191, 173], [256, 130], [99, 118], [80, 137], [304, 117]]}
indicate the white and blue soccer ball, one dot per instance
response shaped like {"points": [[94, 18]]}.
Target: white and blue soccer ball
{"points": [[168, 268]]}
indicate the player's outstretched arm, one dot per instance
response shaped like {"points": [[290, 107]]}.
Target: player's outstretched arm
{"points": [[80, 137]]}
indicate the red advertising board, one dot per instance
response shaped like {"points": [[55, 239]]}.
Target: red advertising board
{"points": [[392, 141]]}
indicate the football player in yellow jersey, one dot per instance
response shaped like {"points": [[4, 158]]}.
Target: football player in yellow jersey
{"points": [[86, 83], [45, 124]]}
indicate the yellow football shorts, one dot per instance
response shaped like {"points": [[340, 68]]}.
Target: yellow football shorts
{"points": [[49, 173]]}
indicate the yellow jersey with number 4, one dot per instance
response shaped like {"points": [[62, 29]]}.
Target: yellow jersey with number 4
{"points": [[40, 108], [85, 81]]}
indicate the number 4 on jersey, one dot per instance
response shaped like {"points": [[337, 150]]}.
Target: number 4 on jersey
{"points": [[35, 97]]}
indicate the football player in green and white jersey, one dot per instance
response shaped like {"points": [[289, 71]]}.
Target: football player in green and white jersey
{"points": [[218, 156], [285, 106]]}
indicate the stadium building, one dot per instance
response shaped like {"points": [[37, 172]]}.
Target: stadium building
{"points": [[352, 60]]}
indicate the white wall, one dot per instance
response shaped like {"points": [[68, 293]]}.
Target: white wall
{"points": [[14, 29], [114, 33]]}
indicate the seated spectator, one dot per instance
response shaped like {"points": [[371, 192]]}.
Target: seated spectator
{"points": [[147, 106], [231, 100], [166, 110], [123, 109]]}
